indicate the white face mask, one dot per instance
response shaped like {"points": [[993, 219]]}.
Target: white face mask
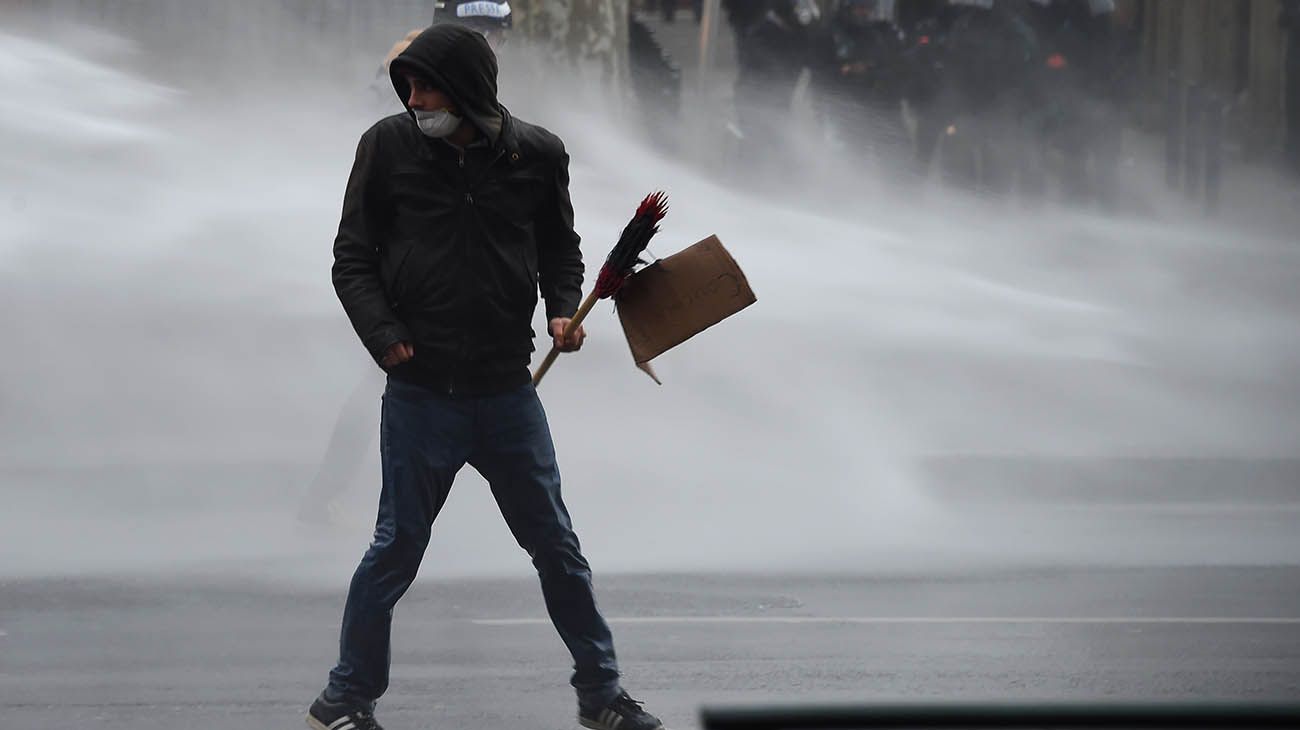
{"points": [[437, 124]]}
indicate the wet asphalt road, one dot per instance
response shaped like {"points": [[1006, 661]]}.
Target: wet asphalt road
{"points": [[221, 651]]}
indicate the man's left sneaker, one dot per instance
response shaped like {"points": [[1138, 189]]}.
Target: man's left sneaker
{"points": [[326, 715], [624, 713]]}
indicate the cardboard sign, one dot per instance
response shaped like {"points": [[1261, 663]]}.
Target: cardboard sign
{"points": [[674, 299]]}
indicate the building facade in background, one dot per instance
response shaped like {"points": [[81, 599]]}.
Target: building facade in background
{"points": [[1236, 49]]}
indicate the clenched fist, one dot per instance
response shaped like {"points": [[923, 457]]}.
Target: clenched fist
{"points": [[396, 354], [573, 343]]}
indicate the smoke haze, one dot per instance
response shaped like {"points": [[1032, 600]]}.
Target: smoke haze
{"points": [[928, 378]]}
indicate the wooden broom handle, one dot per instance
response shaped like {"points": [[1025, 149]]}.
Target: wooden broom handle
{"points": [[574, 324]]}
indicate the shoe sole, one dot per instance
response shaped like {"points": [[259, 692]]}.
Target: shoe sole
{"points": [[583, 722], [315, 724]]}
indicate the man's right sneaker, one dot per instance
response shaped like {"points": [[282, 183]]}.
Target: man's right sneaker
{"points": [[338, 716], [624, 713]]}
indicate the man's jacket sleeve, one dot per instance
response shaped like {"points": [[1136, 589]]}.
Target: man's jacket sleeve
{"points": [[356, 256], [559, 257]]}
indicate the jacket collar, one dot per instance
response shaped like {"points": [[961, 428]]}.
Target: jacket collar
{"points": [[508, 140]]}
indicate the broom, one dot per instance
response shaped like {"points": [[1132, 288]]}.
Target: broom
{"points": [[618, 266]]}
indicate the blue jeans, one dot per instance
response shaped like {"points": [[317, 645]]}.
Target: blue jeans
{"points": [[424, 440]]}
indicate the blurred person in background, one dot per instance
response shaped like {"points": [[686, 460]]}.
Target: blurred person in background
{"points": [[492, 19], [353, 432], [656, 84], [924, 24], [774, 44], [668, 8], [1077, 97], [1289, 19], [456, 214], [741, 14], [913, 14], [858, 77], [990, 55]]}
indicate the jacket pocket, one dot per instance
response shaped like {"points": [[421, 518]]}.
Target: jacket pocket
{"points": [[514, 198]]}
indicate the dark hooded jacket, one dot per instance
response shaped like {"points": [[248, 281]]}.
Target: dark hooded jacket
{"points": [[447, 248]]}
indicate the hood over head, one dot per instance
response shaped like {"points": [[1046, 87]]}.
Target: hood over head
{"points": [[459, 62], [400, 46]]}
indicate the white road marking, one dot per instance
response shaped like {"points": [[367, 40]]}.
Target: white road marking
{"points": [[895, 620]]}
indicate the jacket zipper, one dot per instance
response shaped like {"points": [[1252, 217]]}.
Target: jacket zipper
{"points": [[464, 336], [469, 199]]}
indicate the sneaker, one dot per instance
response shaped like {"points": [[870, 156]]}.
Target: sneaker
{"points": [[624, 713], [338, 716]]}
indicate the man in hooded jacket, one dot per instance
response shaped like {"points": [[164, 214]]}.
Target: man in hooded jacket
{"points": [[456, 214]]}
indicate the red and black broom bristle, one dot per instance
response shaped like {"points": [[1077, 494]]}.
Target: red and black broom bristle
{"points": [[627, 252]]}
